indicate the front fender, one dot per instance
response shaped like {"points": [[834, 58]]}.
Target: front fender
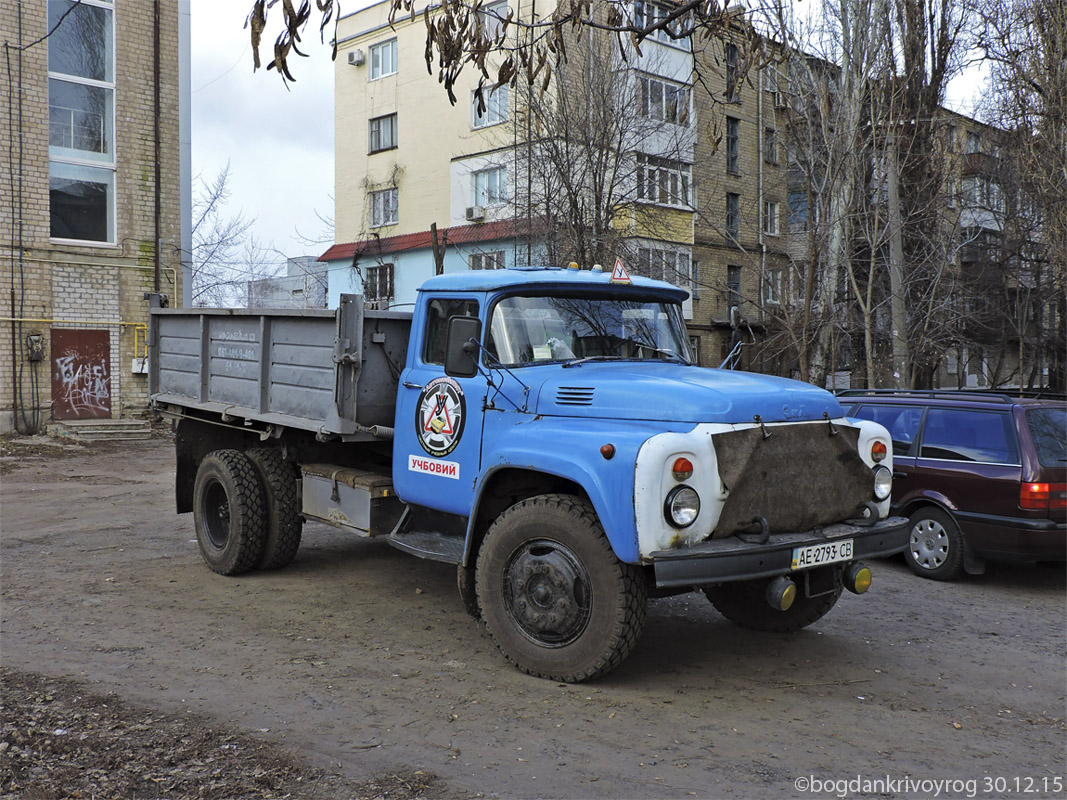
{"points": [[569, 449]]}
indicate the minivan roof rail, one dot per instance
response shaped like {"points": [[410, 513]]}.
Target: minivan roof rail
{"points": [[994, 396]]}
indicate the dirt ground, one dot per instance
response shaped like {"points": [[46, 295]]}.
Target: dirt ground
{"points": [[131, 670]]}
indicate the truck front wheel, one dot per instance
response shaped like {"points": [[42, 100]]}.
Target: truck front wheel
{"points": [[228, 512], [745, 603], [553, 595]]}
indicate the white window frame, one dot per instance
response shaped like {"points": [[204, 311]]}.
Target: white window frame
{"points": [[376, 275], [658, 108], [675, 266], [772, 287], [770, 217], [492, 16], [374, 142], [648, 12], [496, 108], [664, 181], [381, 203], [492, 259], [489, 187], [378, 66], [95, 167]]}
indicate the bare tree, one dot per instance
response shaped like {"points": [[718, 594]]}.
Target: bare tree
{"points": [[594, 174], [224, 256], [1025, 42]]}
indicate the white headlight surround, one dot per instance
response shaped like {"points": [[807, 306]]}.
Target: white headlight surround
{"points": [[682, 506], [883, 482]]}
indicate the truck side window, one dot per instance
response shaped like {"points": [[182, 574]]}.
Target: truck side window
{"points": [[438, 312]]}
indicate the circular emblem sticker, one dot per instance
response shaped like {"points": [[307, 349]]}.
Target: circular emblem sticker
{"points": [[439, 416]]}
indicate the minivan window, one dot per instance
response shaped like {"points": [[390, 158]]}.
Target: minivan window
{"points": [[901, 421], [959, 435], [1048, 429]]}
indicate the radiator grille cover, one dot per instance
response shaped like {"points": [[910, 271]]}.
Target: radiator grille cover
{"points": [[799, 477]]}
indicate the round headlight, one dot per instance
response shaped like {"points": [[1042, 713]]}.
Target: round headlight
{"points": [[682, 506], [883, 482]]}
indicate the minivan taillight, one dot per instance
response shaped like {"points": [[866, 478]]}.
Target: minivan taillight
{"points": [[1043, 496]]}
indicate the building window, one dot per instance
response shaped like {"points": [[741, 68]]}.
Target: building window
{"points": [[492, 16], [663, 181], [491, 260], [733, 214], [770, 218], [770, 146], [798, 212], [378, 284], [383, 134], [664, 101], [490, 186], [383, 208], [733, 89], [770, 82], [974, 142], [383, 59], [672, 266], [647, 13], [772, 287], [81, 121], [733, 145], [733, 286], [496, 108]]}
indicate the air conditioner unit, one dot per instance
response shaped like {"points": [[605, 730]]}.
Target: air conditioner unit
{"points": [[475, 214], [356, 58]]}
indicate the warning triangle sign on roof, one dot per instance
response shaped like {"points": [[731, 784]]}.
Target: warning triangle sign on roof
{"points": [[619, 274]]}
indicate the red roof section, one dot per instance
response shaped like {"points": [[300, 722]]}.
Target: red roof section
{"points": [[461, 234]]}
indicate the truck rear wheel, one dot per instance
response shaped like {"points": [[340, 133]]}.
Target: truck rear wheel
{"points": [[228, 512], [745, 604], [282, 505], [554, 597]]}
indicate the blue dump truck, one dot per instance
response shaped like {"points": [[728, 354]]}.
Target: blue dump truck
{"points": [[543, 429]]}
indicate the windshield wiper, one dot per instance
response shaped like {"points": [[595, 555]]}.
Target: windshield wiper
{"points": [[574, 362]]}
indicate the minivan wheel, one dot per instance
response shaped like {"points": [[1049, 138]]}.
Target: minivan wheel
{"points": [[935, 545]]}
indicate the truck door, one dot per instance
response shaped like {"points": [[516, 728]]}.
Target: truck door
{"points": [[437, 442]]}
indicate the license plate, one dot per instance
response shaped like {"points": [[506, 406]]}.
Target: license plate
{"points": [[818, 554]]}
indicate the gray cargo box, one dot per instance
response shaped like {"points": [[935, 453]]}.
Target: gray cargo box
{"points": [[331, 372]]}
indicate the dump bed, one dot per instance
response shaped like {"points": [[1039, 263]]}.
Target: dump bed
{"points": [[331, 372]]}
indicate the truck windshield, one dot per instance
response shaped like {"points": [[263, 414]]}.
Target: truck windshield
{"points": [[543, 329]]}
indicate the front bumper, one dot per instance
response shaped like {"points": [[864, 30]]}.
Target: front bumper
{"points": [[732, 559]]}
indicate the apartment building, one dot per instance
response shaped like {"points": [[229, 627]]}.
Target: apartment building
{"points": [[91, 182], [424, 186]]}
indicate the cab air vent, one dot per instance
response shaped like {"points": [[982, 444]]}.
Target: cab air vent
{"points": [[574, 396]]}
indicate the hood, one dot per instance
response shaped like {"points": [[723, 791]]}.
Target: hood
{"points": [[679, 393]]}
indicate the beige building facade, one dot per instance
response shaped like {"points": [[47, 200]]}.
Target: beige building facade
{"points": [[93, 198]]}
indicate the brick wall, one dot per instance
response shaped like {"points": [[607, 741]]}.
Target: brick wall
{"points": [[57, 284]]}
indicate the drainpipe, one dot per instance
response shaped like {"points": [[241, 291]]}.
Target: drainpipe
{"points": [[762, 205], [156, 136]]}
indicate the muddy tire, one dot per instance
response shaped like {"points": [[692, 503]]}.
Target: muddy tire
{"points": [[935, 545], [745, 604], [228, 512], [281, 494], [554, 597]]}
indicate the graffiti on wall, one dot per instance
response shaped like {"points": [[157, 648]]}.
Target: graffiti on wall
{"points": [[81, 374]]}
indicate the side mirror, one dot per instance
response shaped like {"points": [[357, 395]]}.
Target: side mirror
{"points": [[461, 356]]}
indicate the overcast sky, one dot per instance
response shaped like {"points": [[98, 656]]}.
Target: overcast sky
{"points": [[279, 143]]}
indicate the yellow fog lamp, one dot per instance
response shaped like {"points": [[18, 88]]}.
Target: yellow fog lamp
{"points": [[858, 578], [781, 592]]}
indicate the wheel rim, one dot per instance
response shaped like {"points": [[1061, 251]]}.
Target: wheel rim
{"points": [[547, 593], [929, 543], [216, 515]]}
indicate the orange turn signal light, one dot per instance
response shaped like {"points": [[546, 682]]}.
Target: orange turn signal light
{"points": [[878, 452], [682, 470]]}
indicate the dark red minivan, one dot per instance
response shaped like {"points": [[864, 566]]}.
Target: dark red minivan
{"points": [[980, 475]]}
